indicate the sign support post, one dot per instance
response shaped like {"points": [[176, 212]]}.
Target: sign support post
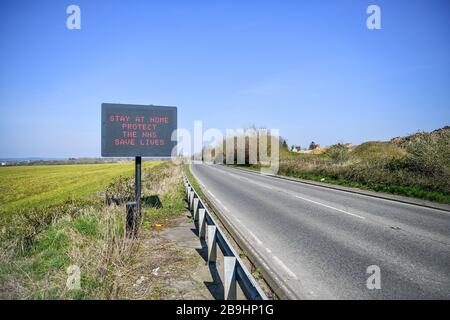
{"points": [[137, 184], [134, 207]]}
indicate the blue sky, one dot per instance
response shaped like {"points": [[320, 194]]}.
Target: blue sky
{"points": [[309, 68]]}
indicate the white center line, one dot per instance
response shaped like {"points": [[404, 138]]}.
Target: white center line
{"points": [[255, 183], [267, 187], [330, 207], [299, 197]]}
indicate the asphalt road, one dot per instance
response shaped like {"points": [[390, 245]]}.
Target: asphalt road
{"points": [[321, 241]]}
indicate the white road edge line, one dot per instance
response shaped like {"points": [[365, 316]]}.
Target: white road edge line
{"points": [[219, 202], [212, 194], [215, 198], [255, 237], [330, 207], [293, 275]]}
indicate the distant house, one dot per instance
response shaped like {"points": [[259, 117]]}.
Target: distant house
{"points": [[3, 163], [297, 149]]}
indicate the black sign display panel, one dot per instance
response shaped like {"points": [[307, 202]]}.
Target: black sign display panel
{"points": [[137, 130]]}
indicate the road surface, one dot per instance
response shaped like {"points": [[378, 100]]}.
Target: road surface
{"points": [[321, 241]]}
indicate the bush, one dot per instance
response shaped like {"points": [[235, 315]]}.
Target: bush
{"points": [[120, 191], [429, 155], [338, 152], [418, 165]]}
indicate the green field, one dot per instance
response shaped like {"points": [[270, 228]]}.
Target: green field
{"points": [[55, 216], [42, 186]]}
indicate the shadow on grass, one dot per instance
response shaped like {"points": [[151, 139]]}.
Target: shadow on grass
{"points": [[152, 201]]}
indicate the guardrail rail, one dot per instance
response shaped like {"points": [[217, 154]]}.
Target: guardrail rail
{"points": [[209, 231]]}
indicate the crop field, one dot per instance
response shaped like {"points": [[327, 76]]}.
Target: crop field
{"points": [[52, 217], [41, 186]]}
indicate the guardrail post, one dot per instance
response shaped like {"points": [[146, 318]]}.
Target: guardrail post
{"points": [[211, 242], [229, 275], [191, 200], [201, 223], [196, 204]]}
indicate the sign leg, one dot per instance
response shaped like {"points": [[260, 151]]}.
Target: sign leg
{"points": [[137, 183]]}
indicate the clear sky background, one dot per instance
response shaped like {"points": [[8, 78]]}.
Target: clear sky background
{"points": [[309, 68]]}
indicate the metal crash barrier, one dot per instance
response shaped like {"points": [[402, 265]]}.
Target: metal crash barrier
{"points": [[209, 231]]}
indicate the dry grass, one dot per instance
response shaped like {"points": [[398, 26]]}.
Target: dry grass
{"points": [[91, 237]]}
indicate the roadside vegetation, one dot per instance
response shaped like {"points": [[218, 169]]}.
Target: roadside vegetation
{"points": [[194, 181], [53, 217], [416, 166]]}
